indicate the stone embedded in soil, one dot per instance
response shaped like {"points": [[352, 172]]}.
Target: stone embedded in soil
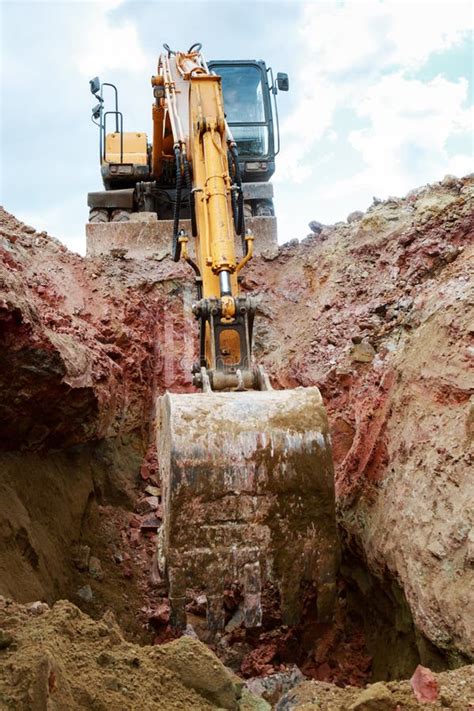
{"points": [[148, 504], [197, 605], [375, 698], [272, 687], [315, 226], [153, 491], [112, 683], [189, 631], [198, 669], [160, 615], [355, 215], [150, 523], [236, 620], [250, 702], [80, 557], [85, 593], [38, 607], [362, 352], [424, 684], [259, 660], [95, 568]]}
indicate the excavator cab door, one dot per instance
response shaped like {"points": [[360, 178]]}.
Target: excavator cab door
{"points": [[248, 108]]}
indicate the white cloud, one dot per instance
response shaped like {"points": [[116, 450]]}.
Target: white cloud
{"points": [[353, 34], [418, 29], [308, 122], [408, 111], [361, 58], [108, 45], [405, 142]]}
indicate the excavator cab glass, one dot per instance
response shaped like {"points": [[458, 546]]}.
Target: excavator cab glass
{"points": [[248, 108], [243, 100]]}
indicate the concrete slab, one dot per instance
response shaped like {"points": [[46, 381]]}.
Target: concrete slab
{"points": [[152, 238]]}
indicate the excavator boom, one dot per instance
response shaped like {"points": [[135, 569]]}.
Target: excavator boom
{"points": [[248, 487], [203, 145]]}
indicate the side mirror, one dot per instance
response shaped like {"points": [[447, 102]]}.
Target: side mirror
{"points": [[94, 85], [96, 111], [283, 83]]}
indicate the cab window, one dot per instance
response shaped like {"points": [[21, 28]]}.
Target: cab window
{"points": [[244, 104], [243, 96]]}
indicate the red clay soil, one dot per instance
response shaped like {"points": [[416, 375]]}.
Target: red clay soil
{"points": [[374, 311]]}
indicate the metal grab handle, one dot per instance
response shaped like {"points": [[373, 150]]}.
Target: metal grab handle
{"points": [[117, 115]]}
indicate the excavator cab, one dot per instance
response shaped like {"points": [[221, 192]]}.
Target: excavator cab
{"points": [[249, 92]]}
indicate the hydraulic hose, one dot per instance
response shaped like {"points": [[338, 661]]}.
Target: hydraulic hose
{"points": [[239, 218], [233, 196], [176, 247], [189, 186]]}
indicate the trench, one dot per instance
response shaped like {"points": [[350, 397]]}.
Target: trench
{"points": [[67, 531]]}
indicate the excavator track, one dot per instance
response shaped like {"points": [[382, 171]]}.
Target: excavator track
{"points": [[248, 493]]}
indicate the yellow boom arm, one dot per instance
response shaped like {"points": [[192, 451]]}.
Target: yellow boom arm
{"points": [[189, 121]]}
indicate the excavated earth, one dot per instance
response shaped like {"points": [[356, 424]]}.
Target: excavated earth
{"points": [[375, 311]]}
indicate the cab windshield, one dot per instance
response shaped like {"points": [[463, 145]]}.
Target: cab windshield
{"points": [[244, 107]]}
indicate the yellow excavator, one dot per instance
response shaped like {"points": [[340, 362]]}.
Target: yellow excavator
{"points": [[247, 475]]}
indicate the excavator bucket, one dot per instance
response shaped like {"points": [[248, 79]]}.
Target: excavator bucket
{"points": [[248, 498]]}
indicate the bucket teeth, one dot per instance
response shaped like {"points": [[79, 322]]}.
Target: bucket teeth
{"points": [[252, 595], [215, 617], [177, 597], [248, 494]]}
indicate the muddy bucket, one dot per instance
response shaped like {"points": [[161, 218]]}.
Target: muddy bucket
{"points": [[248, 499]]}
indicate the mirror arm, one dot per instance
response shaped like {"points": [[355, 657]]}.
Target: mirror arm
{"points": [[274, 91]]}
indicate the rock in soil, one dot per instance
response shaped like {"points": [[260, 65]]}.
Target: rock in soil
{"points": [[456, 692]]}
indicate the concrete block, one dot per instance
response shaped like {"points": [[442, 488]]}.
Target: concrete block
{"points": [[150, 238]]}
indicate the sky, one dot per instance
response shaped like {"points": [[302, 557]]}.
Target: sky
{"points": [[380, 100]]}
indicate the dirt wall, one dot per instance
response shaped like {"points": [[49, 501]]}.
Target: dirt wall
{"points": [[375, 311]]}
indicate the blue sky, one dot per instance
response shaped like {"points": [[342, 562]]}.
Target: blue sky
{"points": [[380, 96]]}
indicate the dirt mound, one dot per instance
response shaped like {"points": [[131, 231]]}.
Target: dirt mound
{"points": [[60, 658], [81, 340]]}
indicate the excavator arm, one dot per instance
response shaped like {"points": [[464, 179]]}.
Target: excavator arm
{"points": [[190, 107], [247, 478]]}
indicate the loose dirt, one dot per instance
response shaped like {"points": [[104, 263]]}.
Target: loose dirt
{"points": [[60, 658]]}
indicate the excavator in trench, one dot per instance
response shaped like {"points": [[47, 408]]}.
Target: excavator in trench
{"points": [[246, 470]]}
